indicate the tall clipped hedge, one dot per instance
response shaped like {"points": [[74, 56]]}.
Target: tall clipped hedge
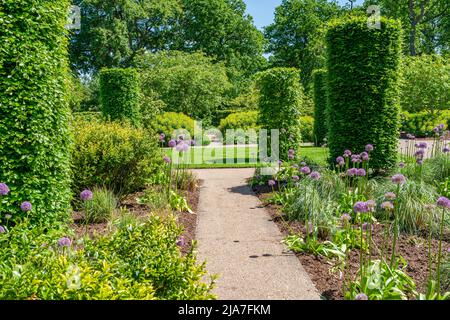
{"points": [[363, 88], [279, 106], [119, 94], [320, 105], [34, 113]]}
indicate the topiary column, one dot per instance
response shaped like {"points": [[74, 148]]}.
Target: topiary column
{"points": [[363, 88], [320, 104], [34, 114], [119, 93], [279, 104]]}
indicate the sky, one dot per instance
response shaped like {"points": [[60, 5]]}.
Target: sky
{"points": [[263, 10]]}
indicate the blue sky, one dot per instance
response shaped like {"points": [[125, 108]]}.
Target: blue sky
{"points": [[263, 10]]}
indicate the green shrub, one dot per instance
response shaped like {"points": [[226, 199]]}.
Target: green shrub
{"points": [[173, 124], [34, 112], [102, 206], [239, 120], [320, 105], [307, 128], [363, 76], [140, 260], [422, 124], [112, 155], [279, 106], [119, 95]]}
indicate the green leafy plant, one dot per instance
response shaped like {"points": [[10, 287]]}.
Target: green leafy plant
{"points": [[326, 249], [320, 104], [178, 202], [102, 206]]}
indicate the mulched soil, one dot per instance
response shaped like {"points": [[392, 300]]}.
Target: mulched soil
{"points": [[413, 249], [187, 220]]}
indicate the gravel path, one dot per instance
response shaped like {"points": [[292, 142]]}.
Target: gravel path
{"points": [[240, 243]]}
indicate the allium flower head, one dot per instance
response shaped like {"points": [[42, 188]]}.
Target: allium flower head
{"points": [[419, 162], [346, 217], [422, 145], [387, 206], [305, 170], [4, 189], [365, 156], [361, 172], [446, 150], [352, 172], [86, 195], [167, 159], [402, 165], [2, 229], [295, 178], [419, 153], [398, 179], [340, 159], [360, 207], [369, 148], [26, 206], [172, 143], [390, 196], [180, 241], [291, 151], [365, 225], [347, 153], [436, 130], [361, 296], [443, 202], [291, 156], [315, 175], [280, 162], [371, 205], [64, 242], [303, 164], [441, 126], [271, 183]]}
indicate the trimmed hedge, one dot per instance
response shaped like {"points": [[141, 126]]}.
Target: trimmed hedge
{"points": [[421, 124], [119, 95], [34, 111], [307, 129], [279, 106], [320, 105], [239, 120], [363, 88]]}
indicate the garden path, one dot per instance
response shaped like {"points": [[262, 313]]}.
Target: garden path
{"points": [[239, 242]]}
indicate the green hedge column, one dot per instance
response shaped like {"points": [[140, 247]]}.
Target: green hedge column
{"points": [[279, 104], [119, 92], [320, 104], [363, 73], [34, 114]]}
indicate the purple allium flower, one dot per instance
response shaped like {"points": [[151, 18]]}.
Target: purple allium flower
{"points": [[371, 205], [295, 178], [315, 175], [341, 164], [390, 196], [303, 164], [346, 218], [2, 229], [446, 150], [361, 172], [291, 156], [172, 143], [340, 159], [441, 126], [271, 183], [436, 130], [347, 153], [167, 159], [64, 242], [387, 205], [402, 165], [360, 207], [26, 206], [443, 202], [365, 225], [398, 179], [352, 172], [305, 170], [361, 296], [365, 156], [4, 189], [182, 147], [422, 145], [355, 160], [369, 148], [180, 241], [419, 153], [419, 162], [280, 162], [162, 136], [291, 151], [192, 142], [86, 195]]}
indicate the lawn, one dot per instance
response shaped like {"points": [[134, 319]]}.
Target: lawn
{"points": [[238, 157]]}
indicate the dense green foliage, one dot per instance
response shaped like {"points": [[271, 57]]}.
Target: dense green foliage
{"points": [[119, 95], [139, 260], [426, 84], [320, 106], [296, 38], [113, 155], [363, 76], [422, 124], [307, 124], [34, 135], [279, 106], [187, 83], [240, 120]]}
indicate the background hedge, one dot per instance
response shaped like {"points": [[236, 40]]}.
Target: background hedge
{"points": [[320, 105], [363, 87], [422, 124], [34, 113], [279, 106], [119, 95]]}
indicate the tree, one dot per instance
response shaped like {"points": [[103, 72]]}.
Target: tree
{"points": [[296, 38], [426, 84], [189, 83], [423, 20]]}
